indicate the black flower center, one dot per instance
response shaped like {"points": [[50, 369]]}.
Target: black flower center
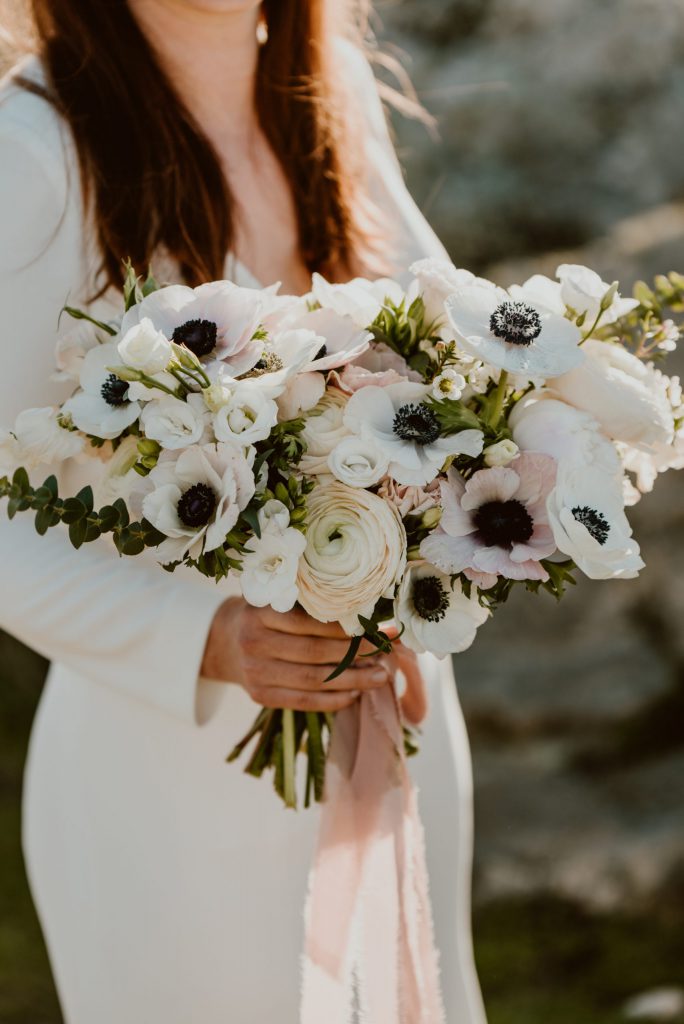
{"points": [[595, 522], [501, 524], [197, 505], [114, 391], [516, 323], [322, 353], [430, 598], [270, 362], [416, 421], [197, 335]]}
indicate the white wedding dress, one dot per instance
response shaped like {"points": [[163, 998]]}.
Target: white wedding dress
{"points": [[169, 885]]}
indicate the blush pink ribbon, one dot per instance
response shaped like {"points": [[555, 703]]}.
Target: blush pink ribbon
{"points": [[369, 949]]}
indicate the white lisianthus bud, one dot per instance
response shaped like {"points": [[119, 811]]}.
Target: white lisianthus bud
{"points": [[216, 396], [145, 348], [431, 517], [274, 516], [449, 384], [501, 453]]}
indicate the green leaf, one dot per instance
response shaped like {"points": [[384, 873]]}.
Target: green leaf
{"points": [[43, 520], [251, 516], [73, 510], [21, 480], [120, 506], [109, 518], [77, 532], [348, 659], [85, 496]]}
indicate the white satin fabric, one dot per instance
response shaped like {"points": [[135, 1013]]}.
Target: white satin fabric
{"points": [[169, 885]]}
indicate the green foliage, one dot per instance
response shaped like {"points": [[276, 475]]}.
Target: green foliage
{"points": [[134, 288], [645, 329], [85, 523], [403, 328]]}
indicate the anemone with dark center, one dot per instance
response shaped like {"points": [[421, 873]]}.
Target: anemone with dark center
{"points": [[114, 391], [416, 422], [516, 322], [595, 522], [197, 335], [503, 523], [196, 506], [430, 598]]}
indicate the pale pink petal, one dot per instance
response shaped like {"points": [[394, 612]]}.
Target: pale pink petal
{"points": [[497, 484]]}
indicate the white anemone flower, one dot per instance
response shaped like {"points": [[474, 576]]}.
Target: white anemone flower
{"points": [[436, 280], [583, 291], [195, 498], [586, 514], [511, 334], [286, 354], [102, 408], [218, 319], [248, 416], [435, 614], [399, 419], [175, 423], [270, 567], [359, 299]]}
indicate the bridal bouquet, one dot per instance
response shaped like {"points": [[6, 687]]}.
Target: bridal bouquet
{"points": [[377, 454]]}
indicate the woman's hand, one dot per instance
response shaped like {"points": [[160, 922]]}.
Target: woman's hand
{"points": [[282, 660]]}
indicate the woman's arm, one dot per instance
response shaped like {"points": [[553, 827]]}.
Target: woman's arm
{"points": [[112, 620]]}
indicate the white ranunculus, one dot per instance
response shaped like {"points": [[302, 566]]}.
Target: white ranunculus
{"points": [[583, 291], [355, 554], [175, 423], [145, 348], [358, 462], [436, 280], [627, 397], [119, 478], [194, 497], [586, 514], [511, 334], [501, 453], [269, 569], [540, 423], [39, 438], [435, 614], [103, 407], [405, 428], [323, 430], [248, 416]]}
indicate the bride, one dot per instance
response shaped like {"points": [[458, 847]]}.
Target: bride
{"points": [[211, 138]]}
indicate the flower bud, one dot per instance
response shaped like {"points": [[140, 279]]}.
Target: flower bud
{"points": [[216, 396], [126, 373], [431, 517], [501, 453]]}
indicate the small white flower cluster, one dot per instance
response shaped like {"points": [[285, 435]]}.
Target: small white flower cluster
{"points": [[369, 450]]}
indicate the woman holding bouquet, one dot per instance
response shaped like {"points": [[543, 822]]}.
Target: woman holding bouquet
{"points": [[210, 138]]}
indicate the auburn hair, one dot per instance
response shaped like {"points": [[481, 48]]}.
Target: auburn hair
{"points": [[151, 178]]}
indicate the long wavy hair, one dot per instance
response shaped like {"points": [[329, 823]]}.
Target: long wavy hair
{"points": [[151, 178]]}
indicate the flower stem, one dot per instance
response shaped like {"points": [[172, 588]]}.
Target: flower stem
{"points": [[289, 790], [499, 398]]}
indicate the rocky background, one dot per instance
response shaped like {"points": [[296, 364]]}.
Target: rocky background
{"points": [[561, 127]]}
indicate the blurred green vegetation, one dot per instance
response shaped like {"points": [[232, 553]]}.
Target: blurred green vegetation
{"points": [[540, 960]]}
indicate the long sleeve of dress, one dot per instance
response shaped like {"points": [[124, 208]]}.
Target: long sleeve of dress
{"points": [[110, 619]]}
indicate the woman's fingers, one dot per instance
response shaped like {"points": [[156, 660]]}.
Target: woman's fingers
{"points": [[299, 623], [302, 700], [311, 678], [303, 650]]}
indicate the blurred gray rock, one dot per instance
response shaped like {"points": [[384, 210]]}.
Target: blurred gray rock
{"points": [[558, 118]]}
